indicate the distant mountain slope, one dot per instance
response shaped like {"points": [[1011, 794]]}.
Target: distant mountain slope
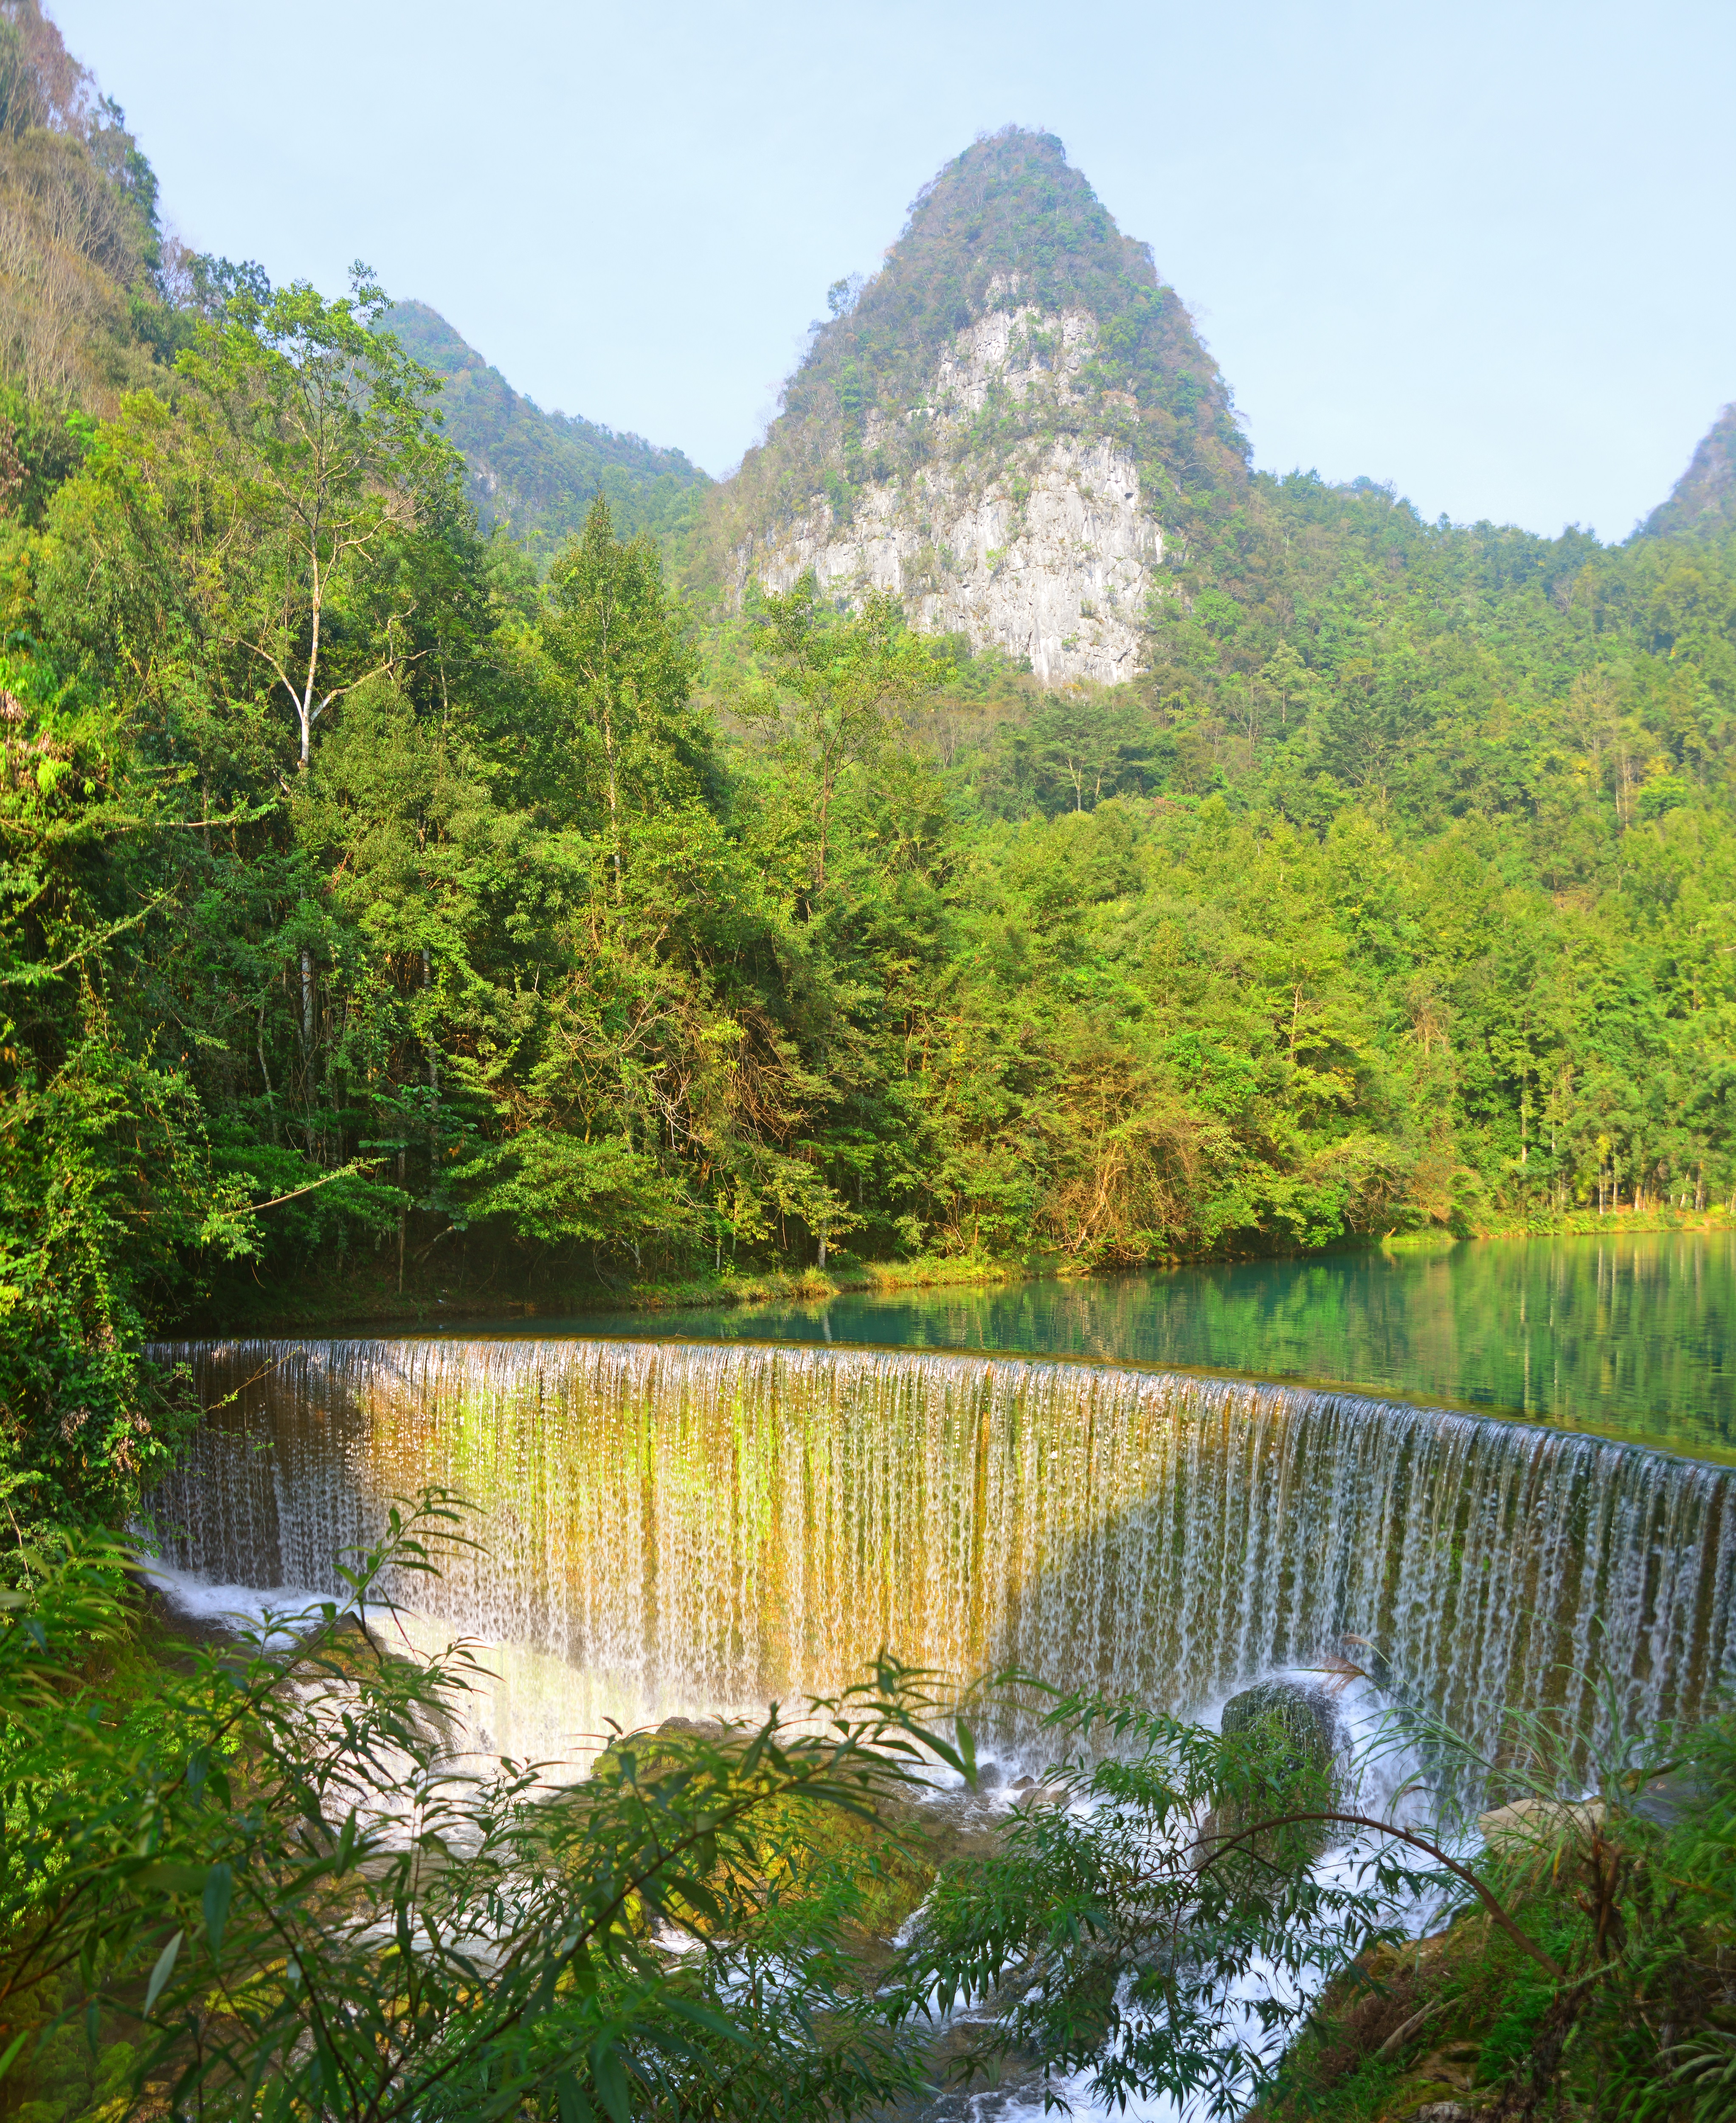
{"points": [[93, 302], [538, 472], [1704, 499], [1004, 426]]}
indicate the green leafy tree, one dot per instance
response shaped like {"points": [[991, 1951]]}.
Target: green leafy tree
{"points": [[623, 680], [839, 690], [306, 432], [108, 1193]]}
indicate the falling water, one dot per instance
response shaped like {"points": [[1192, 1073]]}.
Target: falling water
{"points": [[681, 1526]]}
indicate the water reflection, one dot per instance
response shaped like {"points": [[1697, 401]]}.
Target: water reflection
{"points": [[1627, 1336]]}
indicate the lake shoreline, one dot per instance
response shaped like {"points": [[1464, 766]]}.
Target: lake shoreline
{"points": [[354, 1304], [1621, 1331]]}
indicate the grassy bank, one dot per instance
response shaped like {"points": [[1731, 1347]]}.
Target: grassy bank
{"points": [[1632, 1898], [1592, 1223], [1568, 1224], [813, 1285]]}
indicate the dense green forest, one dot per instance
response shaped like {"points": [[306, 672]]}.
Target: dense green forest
{"points": [[386, 909]]}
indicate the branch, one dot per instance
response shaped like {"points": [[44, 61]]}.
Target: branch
{"points": [[30, 975], [349, 1172], [338, 692], [181, 825], [265, 656], [1417, 1843]]}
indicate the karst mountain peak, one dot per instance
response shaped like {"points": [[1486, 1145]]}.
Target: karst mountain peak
{"points": [[1007, 426]]}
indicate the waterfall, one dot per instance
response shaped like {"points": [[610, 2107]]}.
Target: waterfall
{"points": [[692, 1527]]}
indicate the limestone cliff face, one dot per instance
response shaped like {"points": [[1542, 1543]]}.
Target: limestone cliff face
{"points": [[1004, 426], [1044, 548]]}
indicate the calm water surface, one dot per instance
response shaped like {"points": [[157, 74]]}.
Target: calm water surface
{"points": [[1630, 1336]]}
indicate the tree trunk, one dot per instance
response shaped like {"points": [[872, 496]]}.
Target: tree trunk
{"points": [[271, 1104], [433, 1073]]}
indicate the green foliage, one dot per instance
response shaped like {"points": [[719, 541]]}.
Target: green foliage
{"points": [[838, 690], [626, 679], [1630, 1896], [1509, 2039], [284, 499], [269, 1890], [1112, 1937], [260, 1881], [106, 1178]]}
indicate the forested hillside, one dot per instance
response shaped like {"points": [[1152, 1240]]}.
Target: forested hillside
{"points": [[534, 474], [91, 304], [383, 913]]}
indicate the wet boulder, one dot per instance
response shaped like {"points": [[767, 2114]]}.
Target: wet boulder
{"points": [[678, 1743], [1280, 1758], [1305, 1717]]}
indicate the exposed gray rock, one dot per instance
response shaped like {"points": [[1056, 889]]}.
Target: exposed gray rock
{"points": [[673, 1743], [1308, 1719], [1045, 550]]}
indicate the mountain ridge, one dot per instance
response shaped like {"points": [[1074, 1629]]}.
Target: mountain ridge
{"points": [[536, 473], [1704, 499], [1013, 426]]}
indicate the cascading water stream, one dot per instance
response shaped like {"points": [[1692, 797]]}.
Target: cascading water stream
{"points": [[685, 1527]]}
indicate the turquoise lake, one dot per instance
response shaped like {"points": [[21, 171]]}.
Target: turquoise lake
{"points": [[1628, 1336]]}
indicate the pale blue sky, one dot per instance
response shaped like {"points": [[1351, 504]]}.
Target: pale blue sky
{"points": [[1484, 251]]}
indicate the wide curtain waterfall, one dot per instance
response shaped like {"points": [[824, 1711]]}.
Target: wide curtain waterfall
{"points": [[699, 1528]]}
